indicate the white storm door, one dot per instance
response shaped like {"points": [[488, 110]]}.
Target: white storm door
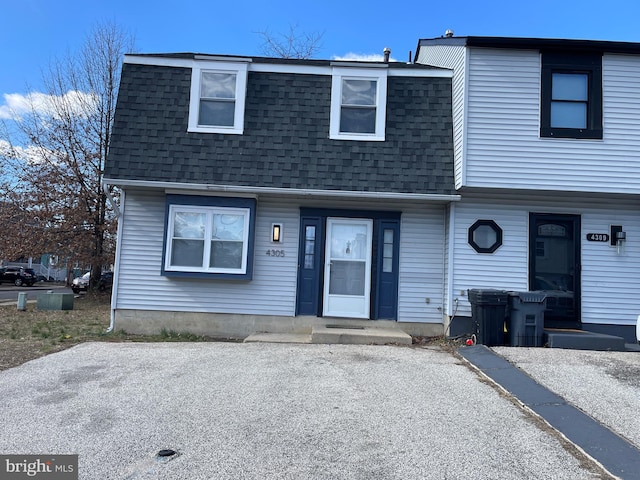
{"points": [[347, 269]]}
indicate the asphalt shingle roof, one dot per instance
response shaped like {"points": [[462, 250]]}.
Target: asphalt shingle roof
{"points": [[286, 136]]}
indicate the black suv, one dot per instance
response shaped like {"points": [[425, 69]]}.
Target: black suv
{"points": [[18, 276]]}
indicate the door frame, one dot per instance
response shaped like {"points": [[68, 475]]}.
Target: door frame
{"points": [[576, 227], [310, 285]]}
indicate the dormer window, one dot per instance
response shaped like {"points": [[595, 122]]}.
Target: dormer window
{"points": [[217, 98], [358, 104]]}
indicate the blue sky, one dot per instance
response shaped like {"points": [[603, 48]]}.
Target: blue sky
{"points": [[35, 31]]}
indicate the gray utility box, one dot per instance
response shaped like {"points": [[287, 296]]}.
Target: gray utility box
{"points": [[55, 301], [489, 311], [526, 325]]}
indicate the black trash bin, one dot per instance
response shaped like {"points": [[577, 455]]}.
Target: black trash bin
{"points": [[489, 310], [526, 318]]}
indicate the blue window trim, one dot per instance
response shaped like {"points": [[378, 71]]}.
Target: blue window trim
{"points": [[206, 201]]}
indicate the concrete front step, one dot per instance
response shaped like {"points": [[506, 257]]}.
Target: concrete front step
{"points": [[583, 340], [359, 336], [278, 338], [337, 334]]}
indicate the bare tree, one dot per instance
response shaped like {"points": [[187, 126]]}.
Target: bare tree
{"points": [[293, 44], [65, 137]]}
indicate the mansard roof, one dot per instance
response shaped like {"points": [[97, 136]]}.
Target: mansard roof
{"points": [[286, 142]]}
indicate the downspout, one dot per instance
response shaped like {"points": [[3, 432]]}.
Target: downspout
{"points": [[110, 199], [116, 267], [450, 301]]}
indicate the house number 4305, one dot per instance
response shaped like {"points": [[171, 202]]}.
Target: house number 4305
{"points": [[275, 253]]}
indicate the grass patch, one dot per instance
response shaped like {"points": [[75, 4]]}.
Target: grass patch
{"points": [[29, 334]]}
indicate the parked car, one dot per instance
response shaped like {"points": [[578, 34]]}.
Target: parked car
{"points": [[18, 276], [39, 278], [81, 284]]}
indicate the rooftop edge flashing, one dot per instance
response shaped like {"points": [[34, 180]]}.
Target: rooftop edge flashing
{"points": [[535, 43], [244, 190]]}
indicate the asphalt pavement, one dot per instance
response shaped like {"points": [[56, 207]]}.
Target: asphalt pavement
{"points": [[281, 411], [9, 293]]}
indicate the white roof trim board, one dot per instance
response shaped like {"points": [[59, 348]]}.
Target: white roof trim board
{"points": [[284, 68]]}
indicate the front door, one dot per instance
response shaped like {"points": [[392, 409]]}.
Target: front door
{"points": [[554, 266], [347, 268]]}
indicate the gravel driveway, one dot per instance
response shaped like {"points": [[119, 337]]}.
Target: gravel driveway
{"points": [[273, 411]]}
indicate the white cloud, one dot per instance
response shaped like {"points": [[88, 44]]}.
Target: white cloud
{"points": [[30, 154], [362, 57], [17, 105]]}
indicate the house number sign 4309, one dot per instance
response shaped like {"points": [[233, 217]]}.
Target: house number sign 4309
{"points": [[275, 253], [598, 237]]}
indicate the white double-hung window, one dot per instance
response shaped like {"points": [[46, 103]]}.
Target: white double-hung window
{"points": [[217, 97], [207, 239], [358, 103]]}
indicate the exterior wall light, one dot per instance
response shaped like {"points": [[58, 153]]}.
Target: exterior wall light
{"points": [[276, 232], [618, 238], [621, 237]]}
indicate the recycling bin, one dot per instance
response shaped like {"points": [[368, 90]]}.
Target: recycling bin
{"points": [[526, 318], [489, 311]]}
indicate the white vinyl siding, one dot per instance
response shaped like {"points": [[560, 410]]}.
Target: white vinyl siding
{"points": [[141, 286], [504, 148], [273, 288], [453, 57], [610, 283], [504, 269], [421, 282]]}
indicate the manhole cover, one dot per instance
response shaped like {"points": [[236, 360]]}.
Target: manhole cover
{"points": [[166, 453]]}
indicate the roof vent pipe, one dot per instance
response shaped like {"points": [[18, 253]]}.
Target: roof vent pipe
{"points": [[387, 52], [448, 33]]}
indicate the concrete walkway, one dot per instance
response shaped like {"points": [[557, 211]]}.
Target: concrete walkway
{"points": [[609, 443]]}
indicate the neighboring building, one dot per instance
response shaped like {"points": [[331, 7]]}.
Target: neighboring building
{"points": [[547, 161], [271, 195]]}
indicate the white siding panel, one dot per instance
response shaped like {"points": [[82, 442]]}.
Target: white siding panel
{"points": [[504, 149], [505, 269], [421, 266], [141, 286], [453, 57], [610, 282], [273, 288]]}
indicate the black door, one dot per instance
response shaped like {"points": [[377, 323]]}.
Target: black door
{"points": [[554, 266]]}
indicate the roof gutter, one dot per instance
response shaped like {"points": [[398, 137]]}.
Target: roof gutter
{"points": [[248, 190]]}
